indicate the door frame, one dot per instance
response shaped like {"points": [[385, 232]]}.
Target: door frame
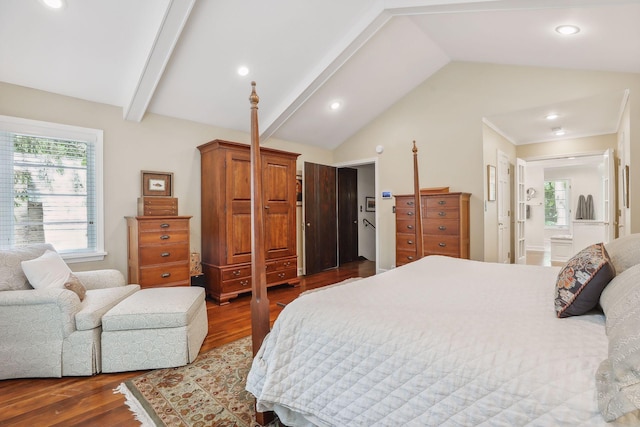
{"points": [[361, 162]]}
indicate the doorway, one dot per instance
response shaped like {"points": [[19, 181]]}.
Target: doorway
{"points": [[339, 226]]}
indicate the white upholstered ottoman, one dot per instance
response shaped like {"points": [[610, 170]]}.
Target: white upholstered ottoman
{"points": [[154, 328]]}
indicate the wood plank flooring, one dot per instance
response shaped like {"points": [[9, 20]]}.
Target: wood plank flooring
{"points": [[90, 401]]}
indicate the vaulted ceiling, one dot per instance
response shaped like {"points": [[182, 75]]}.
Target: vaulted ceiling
{"points": [[179, 57]]}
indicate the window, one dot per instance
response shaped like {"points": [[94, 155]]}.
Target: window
{"points": [[556, 203], [51, 187]]}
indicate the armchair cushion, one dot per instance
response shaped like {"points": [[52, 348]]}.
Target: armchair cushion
{"points": [[101, 279], [12, 277], [97, 302], [47, 271]]}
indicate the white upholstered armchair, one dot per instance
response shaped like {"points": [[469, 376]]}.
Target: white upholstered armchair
{"points": [[49, 331]]}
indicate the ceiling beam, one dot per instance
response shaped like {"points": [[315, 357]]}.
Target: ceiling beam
{"points": [[173, 22]]}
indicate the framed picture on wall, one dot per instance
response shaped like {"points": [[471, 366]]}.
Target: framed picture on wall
{"points": [[491, 183], [370, 204], [299, 189], [158, 184]]}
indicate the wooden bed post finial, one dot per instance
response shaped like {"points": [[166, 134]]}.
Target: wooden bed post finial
{"points": [[254, 98]]}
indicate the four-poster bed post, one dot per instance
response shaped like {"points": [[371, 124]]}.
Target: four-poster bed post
{"points": [[260, 323], [417, 204]]}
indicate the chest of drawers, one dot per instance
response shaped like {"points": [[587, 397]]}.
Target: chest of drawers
{"points": [[445, 226], [158, 250]]}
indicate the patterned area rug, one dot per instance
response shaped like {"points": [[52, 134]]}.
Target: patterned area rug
{"points": [[208, 392]]}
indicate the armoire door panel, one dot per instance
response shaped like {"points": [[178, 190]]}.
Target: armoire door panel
{"points": [[276, 177], [240, 248], [238, 177]]}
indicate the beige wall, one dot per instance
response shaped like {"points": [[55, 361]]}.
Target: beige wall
{"points": [[589, 145], [444, 115], [492, 142], [157, 143]]}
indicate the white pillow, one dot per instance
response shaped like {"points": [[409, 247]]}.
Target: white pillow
{"points": [[46, 271]]}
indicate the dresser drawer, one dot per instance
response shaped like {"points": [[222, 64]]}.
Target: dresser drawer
{"points": [[405, 257], [405, 202], [405, 214], [236, 272], [442, 214], [442, 202], [164, 274], [442, 245], [441, 227], [283, 275], [406, 242], [160, 254], [405, 226], [157, 237], [164, 225]]}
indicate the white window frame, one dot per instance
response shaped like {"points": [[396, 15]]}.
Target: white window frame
{"points": [[568, 206], [75, 133]]}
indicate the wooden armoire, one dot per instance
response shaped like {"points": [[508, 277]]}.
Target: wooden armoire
{"points": [[226, 217]]}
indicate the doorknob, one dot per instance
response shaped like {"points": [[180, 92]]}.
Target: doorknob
{"points": [[308, 224], [355, 221]]}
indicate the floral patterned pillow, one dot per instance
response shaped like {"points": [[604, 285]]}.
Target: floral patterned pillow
{"points": [[582, 280]]}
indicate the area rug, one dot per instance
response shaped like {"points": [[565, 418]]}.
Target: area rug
{"points": [[208, 392]]}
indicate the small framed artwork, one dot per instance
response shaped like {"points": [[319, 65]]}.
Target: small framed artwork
{"points": [[299, 190], [491, 183], [157, 184], [370, 204]]}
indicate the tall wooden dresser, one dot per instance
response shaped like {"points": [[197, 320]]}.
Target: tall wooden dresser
{"points": [[226, 217], [158, 250], [445, 225]]}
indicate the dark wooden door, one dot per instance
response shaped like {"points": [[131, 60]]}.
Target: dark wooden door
{"points": [[347, 215], [321, 225]]}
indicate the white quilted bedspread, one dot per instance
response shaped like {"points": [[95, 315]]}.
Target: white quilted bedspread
{"points": [[438, 342]]}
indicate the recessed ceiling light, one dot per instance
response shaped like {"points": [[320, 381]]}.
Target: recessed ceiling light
{"points": [[551, 116], [243, 71], [335, 105], [567, 30], [54, 4]]}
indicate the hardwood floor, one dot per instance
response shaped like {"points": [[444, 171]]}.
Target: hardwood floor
{"points": [[90, 401]]}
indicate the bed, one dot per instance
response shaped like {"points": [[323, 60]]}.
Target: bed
{"points": [[446, 341]]}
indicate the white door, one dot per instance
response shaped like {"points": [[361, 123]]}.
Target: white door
{"points": [[521, 213], [609, 184], [503, 197]]}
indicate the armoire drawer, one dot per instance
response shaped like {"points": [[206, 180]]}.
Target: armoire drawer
{"points": [[283, 275], [236, 272]]}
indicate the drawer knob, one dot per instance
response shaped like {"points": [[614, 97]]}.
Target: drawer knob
{"points": [[164, 225], [410, 227], [410, 203], [442, 245], [410, 242], [165, 254], [442, 228], [410, 213], [165, 275], [410, 258], [441, 213], [244, 282], [165, 237], [236, 273], [442, 202]]}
